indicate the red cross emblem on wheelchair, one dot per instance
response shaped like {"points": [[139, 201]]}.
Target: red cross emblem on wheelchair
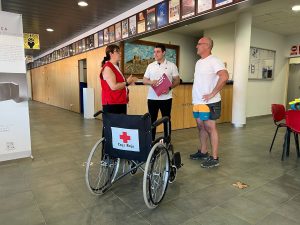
{"points": [[125, 137]]}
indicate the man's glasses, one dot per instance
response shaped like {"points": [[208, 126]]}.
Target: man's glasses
{"points": [[202, 44]]}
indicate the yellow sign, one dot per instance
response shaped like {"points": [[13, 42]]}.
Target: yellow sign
{"points": [[31, 41]]}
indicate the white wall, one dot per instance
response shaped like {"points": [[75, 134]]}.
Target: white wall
{"points": [[261, 94], [187, 52], [223, 37]]}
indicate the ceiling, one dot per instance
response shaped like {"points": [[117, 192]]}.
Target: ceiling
{"points": [[275, 16], [69, 20], [66, 18]]}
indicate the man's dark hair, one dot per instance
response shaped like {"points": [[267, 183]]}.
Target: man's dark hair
{"points": [[161, 46]]}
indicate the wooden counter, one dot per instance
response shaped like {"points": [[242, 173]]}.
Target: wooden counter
{"points": [[182, 108]]}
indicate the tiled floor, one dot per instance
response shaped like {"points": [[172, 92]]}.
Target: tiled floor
{"points": [[51, 188]]}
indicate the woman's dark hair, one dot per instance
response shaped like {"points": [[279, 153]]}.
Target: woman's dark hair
{"points": [[109, 49], [161, 46]]}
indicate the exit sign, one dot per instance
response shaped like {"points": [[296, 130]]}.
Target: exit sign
{"points": [[295, 50]]}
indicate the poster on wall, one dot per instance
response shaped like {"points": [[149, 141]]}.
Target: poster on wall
{"points": [[204, 5], [141, 24], [89, 42], [83, 44], [96, 44], [111, 33], [15, 141], [106, 36], [222, 2], [118, 31], [139, 54], [262, 63], [125, 28], [174, 10], [100, 38], [188, 8], [132, 25], [151, 18], [162, 14], [71, 51]]}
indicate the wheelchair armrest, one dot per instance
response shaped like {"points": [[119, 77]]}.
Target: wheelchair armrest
{"points": [[160, 121], [145, 116], [98, 113]]}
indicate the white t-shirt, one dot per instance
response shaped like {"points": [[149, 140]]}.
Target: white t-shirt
{"points": [[206, 79], [155, 71]]}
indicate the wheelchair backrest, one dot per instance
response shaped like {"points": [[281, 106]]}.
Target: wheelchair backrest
{"points": [[127, 136]]}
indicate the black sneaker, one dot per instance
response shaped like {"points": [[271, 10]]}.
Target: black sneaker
{"points": [[210, 162], [199, 155]]}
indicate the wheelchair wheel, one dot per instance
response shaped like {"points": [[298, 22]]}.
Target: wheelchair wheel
{"points": [[156, 175], [100, 169], [116, 169]]}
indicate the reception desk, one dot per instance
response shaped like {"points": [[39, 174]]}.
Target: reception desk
{"points": [[182, 108]]}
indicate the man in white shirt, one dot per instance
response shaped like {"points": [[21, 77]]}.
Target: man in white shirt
{"points": [[153, 73], [209, 79]]}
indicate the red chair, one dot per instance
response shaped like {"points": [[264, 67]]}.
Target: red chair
{"points": [[278, 113], [293, 124]]}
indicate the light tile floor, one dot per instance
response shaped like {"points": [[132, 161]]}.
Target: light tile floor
{"points": [[51, 189]]}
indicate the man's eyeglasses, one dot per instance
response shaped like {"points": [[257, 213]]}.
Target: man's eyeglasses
{"points": [[202, 43]]}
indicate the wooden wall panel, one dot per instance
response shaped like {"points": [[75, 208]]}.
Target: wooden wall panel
{"points": [[226, 95], [94, 59], [177, 115], [182, 108], [57, 83], [138, 100], [189, 120]]}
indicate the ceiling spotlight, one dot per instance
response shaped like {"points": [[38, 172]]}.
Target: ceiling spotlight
{"points": [[296, 8], [83, 4], [49, 30]]}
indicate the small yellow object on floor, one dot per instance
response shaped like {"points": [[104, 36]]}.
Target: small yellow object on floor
{"points": [[240, 185]]}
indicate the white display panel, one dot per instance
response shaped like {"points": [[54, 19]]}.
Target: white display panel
{"points": [[15, 141], [12, 56], [14, 130]]}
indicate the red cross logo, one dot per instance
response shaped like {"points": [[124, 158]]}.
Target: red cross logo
{"points": [[125, 137]]}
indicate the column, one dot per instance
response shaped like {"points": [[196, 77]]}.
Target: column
{"points": [[241, 64]]}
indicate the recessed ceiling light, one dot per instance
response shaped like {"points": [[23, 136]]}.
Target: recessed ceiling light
{"points": [[83, 3], [49, 30], [296, 8]]}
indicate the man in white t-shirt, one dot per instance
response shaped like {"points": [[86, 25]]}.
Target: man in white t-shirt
{"points": [[209, 79], [153, 73]]}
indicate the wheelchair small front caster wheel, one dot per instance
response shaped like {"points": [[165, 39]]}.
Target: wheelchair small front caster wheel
{"points": [[132, 165], [173, 172]]}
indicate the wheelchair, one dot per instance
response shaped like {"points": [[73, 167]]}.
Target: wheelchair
{"points": [[127, 146]]}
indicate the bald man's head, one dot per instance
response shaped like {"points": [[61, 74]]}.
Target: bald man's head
{"points": [[204, 46], [209, 41]]}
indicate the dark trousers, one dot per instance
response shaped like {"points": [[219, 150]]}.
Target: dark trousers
{"points": [[116, 108], [164, 106]]}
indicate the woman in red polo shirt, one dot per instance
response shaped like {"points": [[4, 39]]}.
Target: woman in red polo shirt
{"points": [[113, 83]]}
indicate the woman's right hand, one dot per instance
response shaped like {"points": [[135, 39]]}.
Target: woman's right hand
{"points": [[131, 80]]}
